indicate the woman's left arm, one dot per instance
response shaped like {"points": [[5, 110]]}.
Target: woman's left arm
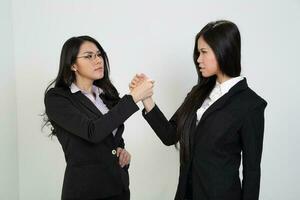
{"points": [[252, 142], [121, 143]]}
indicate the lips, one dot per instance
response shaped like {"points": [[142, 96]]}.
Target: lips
{"points": [[99, 68]]}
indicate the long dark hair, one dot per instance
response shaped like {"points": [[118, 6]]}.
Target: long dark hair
{"points": [[224, 39], [66, 76]]}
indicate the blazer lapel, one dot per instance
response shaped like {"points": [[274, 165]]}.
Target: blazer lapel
{"points": [[240, 86], [87, 103], [192, 134]]}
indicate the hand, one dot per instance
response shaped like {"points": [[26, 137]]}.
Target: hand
{"points": [[124, 157], [141, 87], [137, 80]]}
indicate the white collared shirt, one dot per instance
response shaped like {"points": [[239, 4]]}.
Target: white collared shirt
{"points": [[94, 97], [218, 91]]}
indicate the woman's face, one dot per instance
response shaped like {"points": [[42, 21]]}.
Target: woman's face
{"points": [[207, 62], [89, 63]]}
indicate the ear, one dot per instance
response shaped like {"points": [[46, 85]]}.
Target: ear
{"points": [[74, 68]]}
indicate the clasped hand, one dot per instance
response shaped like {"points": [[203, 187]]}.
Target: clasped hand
{"points": [[141, 87]]}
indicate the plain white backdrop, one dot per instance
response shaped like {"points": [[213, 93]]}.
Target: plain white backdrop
{"points": [[157, 38]]}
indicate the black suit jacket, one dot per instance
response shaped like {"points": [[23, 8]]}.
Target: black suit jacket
{"points": [[233, 124], [85, 134]]}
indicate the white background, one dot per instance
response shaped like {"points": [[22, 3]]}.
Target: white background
{"points": [[157, 38]]}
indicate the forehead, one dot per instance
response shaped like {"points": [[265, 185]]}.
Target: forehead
{"points": [[202, 43], [88, 47]]}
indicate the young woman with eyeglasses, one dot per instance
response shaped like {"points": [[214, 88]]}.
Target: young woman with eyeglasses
{"points": [[87, 116]]}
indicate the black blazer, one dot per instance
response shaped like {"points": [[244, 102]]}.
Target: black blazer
{"points": [[85, 134], [233, 124]]}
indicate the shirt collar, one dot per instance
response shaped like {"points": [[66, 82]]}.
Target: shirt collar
{"points": [[224, 87], [74, 88]]}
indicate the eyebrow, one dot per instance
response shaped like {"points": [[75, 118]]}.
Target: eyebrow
{"points": [[90, 52], [202, 49]]}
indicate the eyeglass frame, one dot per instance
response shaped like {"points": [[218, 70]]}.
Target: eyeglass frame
{"points": [[94, 56]]}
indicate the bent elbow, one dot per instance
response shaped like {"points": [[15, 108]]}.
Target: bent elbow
{"points": [[168, 141]]}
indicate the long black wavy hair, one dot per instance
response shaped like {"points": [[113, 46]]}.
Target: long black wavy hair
{"points": [[66, 76], [224, 39]]}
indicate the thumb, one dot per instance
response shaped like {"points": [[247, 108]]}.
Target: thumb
{"points": [[151, 81]]}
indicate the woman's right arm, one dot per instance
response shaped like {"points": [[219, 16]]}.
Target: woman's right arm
{"points": [[164, 129], [62, 112]]}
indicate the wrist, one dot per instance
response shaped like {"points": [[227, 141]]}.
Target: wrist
{"points": [[134, 97], [148, 104]]}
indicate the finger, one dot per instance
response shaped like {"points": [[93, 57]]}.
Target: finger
{"points": [[136, 77], [150, 85], [143, 75], [119, 150], [126, 159], [122, 154], [151, 81], [133, 84], [125, 153], [129, 85], [136, 80]]}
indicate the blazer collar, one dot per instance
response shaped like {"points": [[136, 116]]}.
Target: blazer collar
{"points": [[239, 87], [86, 102], [80, 95]]}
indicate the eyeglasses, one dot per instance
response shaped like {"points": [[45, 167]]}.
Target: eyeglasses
{"points": [[91, 56]]}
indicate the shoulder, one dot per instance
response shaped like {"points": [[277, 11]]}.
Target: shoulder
{"points": [[253, 100], [57, 93]]}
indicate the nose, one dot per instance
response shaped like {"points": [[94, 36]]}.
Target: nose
{"points": [[199, 59], [98, 60]]}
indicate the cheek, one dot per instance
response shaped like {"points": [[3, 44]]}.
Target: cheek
{"points": [[83, 70], [86, 70], [213, 63]]}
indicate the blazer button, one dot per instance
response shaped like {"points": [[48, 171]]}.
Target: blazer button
{"points": [[114, 152]]}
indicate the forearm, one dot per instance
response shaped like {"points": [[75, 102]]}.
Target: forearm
{"points": [[148, 104], [61, 112], [164, 129], [251, 184]]}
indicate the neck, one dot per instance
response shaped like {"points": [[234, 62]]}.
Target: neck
{"points": [[84, 84], [221, 78]]}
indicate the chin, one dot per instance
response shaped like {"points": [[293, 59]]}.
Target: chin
{"points": [[100, 76], [205, 75]]}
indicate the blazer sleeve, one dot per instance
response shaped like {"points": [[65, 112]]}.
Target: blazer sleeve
{"points": [[62, 112], [121, 143], [252, 132], [164, 129]]}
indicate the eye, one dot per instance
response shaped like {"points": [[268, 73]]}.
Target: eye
{"points": [[90, 56], [99, 55]]}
